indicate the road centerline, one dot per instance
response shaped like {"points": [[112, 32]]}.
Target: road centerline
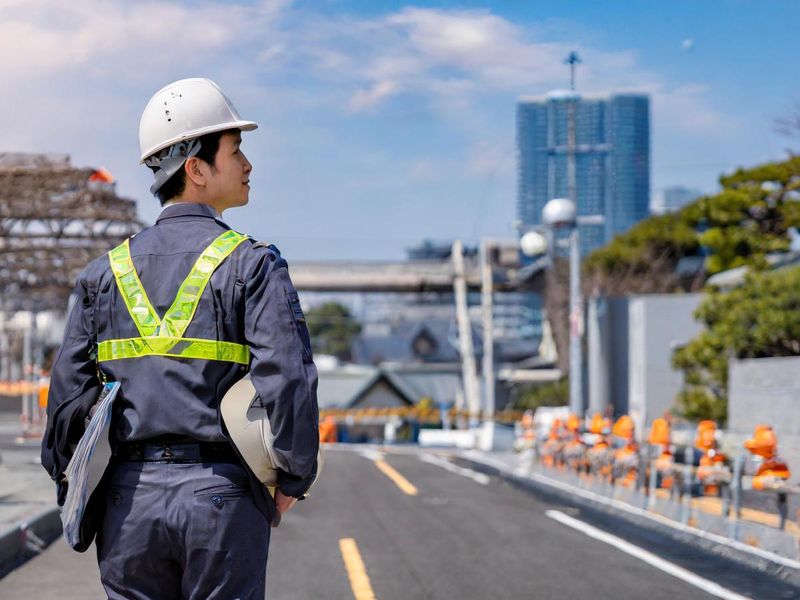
{"points": [[653, 560], [404, 484], [356, 571]]}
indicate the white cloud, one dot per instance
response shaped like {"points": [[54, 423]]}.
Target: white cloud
{"points": [[122, 38], [78, 74], [376, 94], [452, 58]]}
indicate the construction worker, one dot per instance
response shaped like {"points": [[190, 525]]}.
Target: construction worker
{"points": [[177, 314]]}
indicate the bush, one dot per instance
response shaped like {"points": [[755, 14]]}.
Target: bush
{"points": [[554, 393]]}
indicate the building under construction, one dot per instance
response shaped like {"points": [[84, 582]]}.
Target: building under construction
{"points": [[54, 219]]}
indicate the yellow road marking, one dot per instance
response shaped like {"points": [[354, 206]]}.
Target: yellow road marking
{"points": [[400, 481], [359, 581]]}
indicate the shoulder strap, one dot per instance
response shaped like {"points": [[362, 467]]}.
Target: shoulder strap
{"points": [[180, 313], [139, 307]]}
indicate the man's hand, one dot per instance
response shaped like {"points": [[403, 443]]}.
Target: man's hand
{"points": [[284, 502]]}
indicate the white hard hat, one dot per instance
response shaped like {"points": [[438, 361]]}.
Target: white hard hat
{"points": [[185, 110], [249, 429]]}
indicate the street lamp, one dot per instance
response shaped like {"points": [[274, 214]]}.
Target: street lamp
{"points": [[533, 243], [561, 213]]}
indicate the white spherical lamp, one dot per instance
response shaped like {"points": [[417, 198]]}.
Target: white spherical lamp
{"points": [[533, 243], [559, 212]]}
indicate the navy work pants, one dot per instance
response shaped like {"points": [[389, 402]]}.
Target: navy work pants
{"points": [[182, 531]]}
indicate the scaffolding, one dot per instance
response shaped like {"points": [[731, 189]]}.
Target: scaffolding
{"points": [[54, 219]]}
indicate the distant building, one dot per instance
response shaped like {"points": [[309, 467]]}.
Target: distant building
{"points": [[423, 329], [676, 197], [612, 159]]}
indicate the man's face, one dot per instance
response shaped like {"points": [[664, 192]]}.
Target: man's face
{"points": [[229, 179]]}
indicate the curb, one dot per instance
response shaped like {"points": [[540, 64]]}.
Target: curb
{"points": [[766, 562], [22, 542]]}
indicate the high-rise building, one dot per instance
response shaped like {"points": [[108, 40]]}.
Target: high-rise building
{"points": [[612, 159]]}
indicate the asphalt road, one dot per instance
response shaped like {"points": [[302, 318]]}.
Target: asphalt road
{"points": [[463, 536]]}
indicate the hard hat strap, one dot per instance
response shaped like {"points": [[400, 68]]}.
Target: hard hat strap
{"points": [[170, 160]]}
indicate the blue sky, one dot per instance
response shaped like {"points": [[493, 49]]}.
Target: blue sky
{"points": [[383, 123]]}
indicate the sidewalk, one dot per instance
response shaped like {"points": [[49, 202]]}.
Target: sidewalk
{"points": [[27, 496], [25, 488]]}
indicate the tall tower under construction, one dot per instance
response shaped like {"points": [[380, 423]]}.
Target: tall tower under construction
{"points": [[612, 159]]}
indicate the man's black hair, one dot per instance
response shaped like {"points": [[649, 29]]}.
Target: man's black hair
{"points": [[209, 144]]}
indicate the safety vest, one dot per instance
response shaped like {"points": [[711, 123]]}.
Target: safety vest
{"points": [[164, 337]]}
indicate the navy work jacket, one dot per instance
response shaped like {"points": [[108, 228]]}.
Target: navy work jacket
{"points": [[249, 300]]}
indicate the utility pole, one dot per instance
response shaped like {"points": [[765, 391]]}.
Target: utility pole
{"points": [[487, 285], [466, 347], [575, 325], [27, 367], [575, 298]]}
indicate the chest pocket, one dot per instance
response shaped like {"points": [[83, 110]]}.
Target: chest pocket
{"points": [[300, 324]]}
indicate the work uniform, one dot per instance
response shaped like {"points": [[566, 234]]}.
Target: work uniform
{"points": [[183, 516]]}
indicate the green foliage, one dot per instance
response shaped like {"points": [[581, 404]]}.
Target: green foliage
{"points": [[332, 329], [738, 226], [747, 220], [554, 393], [760, 318]]}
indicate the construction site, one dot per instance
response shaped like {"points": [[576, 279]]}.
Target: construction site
{"points": [[54, 219]]}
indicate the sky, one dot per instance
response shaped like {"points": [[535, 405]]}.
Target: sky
{"points": [[383, 123]]}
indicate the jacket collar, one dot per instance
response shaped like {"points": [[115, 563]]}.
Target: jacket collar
{"points": [[188, 209]]}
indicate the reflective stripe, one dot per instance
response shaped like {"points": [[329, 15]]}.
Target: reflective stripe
{"points": [[130, 287], [173, 346], [181, 313], [165, 337]]}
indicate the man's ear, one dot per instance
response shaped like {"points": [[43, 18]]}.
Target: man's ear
{"points": [[194, 171]]}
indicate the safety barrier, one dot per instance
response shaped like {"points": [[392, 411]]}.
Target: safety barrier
{"points": [[32, 398], [422, 413], [703, 478]]}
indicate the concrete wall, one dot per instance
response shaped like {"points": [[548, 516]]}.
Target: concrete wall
{"points": [[607, 340], [767, 390], [658, 324], [630, 343]]}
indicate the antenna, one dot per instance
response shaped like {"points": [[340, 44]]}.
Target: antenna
{"points": [[572, 60]]}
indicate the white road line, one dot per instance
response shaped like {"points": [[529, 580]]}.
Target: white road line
{"points": [[619, 504], [432, 459], [372, 454], [655, 561]]}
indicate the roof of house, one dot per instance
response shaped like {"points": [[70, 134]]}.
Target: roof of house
{"points": [[345, 386]]}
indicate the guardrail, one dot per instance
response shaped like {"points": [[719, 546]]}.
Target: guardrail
{"points": [[645, 472]]}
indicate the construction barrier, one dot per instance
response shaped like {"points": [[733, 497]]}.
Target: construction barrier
{"points": [[610, 454]]}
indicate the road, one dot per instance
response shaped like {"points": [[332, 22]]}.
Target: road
{"points": [[462, 536]]}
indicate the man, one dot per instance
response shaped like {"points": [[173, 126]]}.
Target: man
{"points": [[177, 314]]}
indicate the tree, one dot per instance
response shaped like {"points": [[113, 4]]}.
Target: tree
{"points": [[332, 329], [738, 226], [761, 318]]}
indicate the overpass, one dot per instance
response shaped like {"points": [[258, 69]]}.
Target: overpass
{"points": [[346, 276], [405, 276]]}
